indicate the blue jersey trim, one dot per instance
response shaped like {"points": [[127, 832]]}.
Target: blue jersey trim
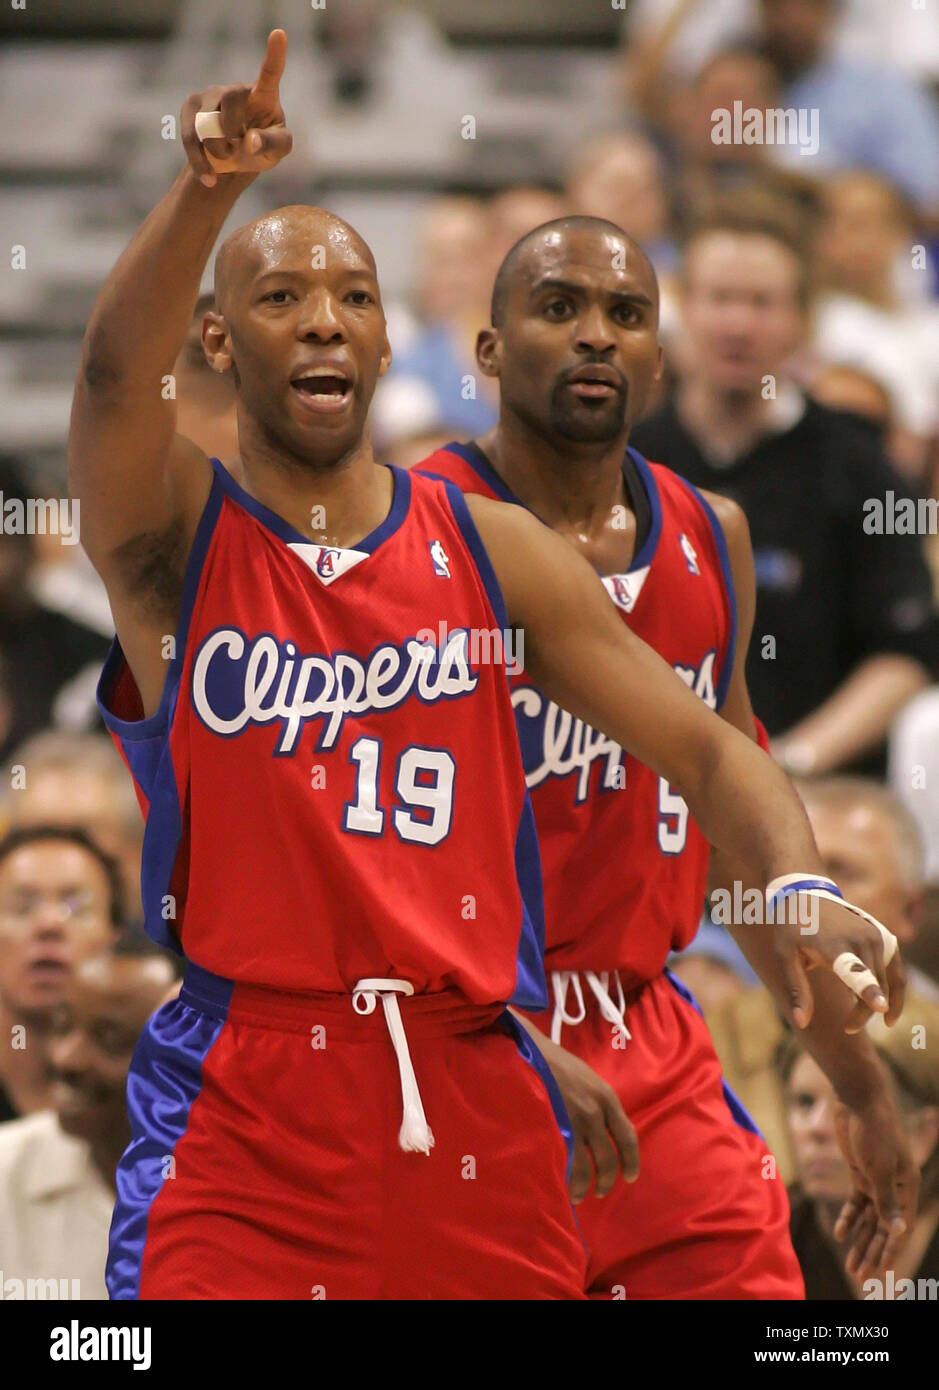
{"points": [[164, 1081], [742, 1116], [650, 544], [139, 730], [400, 501], [467, 527], [146, 744], [530, 980], [727, 665], [474, 456]]}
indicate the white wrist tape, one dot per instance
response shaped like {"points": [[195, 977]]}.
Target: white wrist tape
{"points": [[849, 968], [209, 125]]}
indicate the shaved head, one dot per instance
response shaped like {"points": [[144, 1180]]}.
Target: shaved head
{"points": [[256, 244], [521, 261], [299, 324]]}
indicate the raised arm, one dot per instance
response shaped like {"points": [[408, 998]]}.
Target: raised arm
{"points": [[142, 486]]}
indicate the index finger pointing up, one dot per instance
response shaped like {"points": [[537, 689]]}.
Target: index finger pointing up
{"points": [[273, 66]]}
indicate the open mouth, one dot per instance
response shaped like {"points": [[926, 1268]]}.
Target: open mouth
{"points": [[323, 390], [48, 968]]}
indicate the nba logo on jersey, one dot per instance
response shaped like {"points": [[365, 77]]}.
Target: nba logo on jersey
{"points": [[326, 563], [691, 555], [441, 559]]}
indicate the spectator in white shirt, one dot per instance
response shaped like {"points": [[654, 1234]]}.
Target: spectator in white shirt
{"points": [[57, 1166]]}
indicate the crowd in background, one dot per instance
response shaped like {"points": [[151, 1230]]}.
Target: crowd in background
{"points": [[800, 319]]}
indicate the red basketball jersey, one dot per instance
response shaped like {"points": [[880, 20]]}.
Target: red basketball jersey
{"points": [[333, 786], [624, 863]]}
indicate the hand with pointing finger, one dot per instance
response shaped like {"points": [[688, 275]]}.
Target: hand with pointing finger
{"points": [[254, 134]]}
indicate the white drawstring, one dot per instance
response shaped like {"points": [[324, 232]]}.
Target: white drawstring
{"points": [[599, 985], [415, 1135], [560, 980]]}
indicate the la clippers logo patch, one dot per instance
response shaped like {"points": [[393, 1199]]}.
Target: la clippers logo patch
{"points": [[441, 560], [624, 589], [327, 562], [690, 554]]}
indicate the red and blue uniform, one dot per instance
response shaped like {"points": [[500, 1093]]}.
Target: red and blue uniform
{"points": [[625, 868], [334, 799]]}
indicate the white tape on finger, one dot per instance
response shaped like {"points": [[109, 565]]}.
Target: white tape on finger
{"points": [[852, 972], [209, 125]]}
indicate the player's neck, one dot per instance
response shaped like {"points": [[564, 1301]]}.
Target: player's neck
{"points": [[570, 486], [725, 424], [337, 505]]}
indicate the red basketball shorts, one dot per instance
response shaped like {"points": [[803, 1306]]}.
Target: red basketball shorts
{"points": [[707, 1218], [265, 1161]]}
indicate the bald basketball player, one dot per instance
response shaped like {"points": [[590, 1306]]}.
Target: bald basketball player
{"points": [[338, 831], [574, 347]]}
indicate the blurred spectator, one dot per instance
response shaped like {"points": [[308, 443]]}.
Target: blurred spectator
{"points": [[824, 1179], [856, 391], [43, 652], [867, 316], [846, 630], [60, 901], [80, 781], [870, 116], [914, 770], [621, 176], [870, 845], [512, 214], [706, 166], [57, 1167], [434, 390], [205, 399], [432, 386], [713, 967]]}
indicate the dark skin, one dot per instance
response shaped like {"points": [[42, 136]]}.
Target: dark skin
{"points": [[94, 1033], [143, 487], [584, 301]]}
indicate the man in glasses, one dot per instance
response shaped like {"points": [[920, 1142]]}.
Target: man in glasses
{"points": [[60, 902]]}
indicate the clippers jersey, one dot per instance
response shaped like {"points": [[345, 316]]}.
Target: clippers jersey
{"points": [[332, 789], [624, 863]]}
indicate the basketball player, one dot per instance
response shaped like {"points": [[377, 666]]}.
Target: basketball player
{"points": [[336, 809], [574, 346]]}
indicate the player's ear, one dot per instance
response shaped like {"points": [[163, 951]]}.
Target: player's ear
{"points": [[216, 342], [385, 361], [489, 351], [659, 366]]}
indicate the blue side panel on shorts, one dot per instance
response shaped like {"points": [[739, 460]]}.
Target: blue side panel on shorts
{"points": [[164, 1080], [737, 1109], [533, 1056]]}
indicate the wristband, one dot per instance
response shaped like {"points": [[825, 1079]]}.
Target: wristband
{"points": [[848, 967], [799, 883]]}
